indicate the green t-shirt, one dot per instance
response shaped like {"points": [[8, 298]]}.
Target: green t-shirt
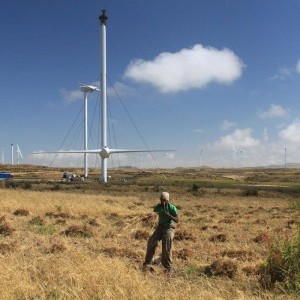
{"points": [[162, 217]]}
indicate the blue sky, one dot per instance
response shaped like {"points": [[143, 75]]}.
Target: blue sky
{"points": [[217, 80]]}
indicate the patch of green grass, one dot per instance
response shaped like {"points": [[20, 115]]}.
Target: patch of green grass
{"points": [[13, 184], [44, 229], [53, 294], [296, 204], [190, 271], [282, 267]]}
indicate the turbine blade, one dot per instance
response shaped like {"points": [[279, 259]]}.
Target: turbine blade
{"points": [[137, 150], [95, 151]]}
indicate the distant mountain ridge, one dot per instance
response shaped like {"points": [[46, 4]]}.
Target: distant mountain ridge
{"points": [[288, 166]]}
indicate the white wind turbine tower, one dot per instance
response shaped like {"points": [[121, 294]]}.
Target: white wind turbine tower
{"points": [[19, 153], [2, 155], [285, 155], [200, 156], [104, 151], [86, 89], [233, 155], [12, 154], [242, 156]]}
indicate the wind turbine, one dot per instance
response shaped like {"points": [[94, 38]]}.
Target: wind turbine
{"points": [[12, 154], [86, 89], [233, 155], [19, 153], [201, 151], [104, 151], [2, 155], [285, 154], [242, 156]]}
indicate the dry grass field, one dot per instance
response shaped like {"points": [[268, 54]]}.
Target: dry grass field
{"points": [[83, 240]]}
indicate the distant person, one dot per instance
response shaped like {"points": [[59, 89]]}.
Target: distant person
{"points": [[167, 217]]}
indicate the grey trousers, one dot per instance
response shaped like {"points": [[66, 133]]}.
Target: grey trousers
{"points": [[166, 235]]}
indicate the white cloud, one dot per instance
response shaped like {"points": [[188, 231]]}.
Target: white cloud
{"points": [[240, 138], [120, 89], [227, 124], [265, 135], [199, 130], [57, 159], [189, 68], [273, 112], [170, 155], [283, 74], [291, 132], [71, 96]]}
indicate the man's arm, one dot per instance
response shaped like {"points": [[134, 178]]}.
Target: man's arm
{"points": [[174, 218]]}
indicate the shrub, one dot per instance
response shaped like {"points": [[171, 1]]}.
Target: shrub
{"points": [[25, 185], [221, 268], [218, 238], [56, 248], [78, 231], [195, 187], [10, 184], [93, 222], [36, 221], [183, 235], [21, 212], [141, 235], [5, 248], [250, 193], [56, 187], [282, 265], [183, 254], [196, 190], [6, 229], [157, 188], [261, 238]]}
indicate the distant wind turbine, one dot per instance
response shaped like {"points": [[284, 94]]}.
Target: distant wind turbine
{"points": [[285, 155], [12, 154], [233, 155], [201, 151], [2, 155], [242, 156], [19, 153]]}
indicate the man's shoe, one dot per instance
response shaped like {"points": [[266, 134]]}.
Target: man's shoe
{"points": [[147, 267], [169, 272]]}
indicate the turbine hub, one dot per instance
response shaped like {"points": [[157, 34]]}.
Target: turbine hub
{"points": [[105, 153]]}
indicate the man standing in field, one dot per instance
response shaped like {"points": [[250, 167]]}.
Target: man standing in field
{"points": [[167, 217]]}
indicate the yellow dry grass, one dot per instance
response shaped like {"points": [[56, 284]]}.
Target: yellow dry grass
{"points": [[79, 246]]}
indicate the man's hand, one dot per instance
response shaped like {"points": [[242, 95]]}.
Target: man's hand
{"points": [[172, 217]]}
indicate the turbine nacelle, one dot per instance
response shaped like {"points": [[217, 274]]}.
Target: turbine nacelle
{"points": [[105, 152], [89, 88]]}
